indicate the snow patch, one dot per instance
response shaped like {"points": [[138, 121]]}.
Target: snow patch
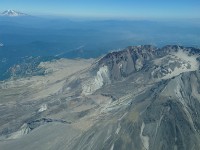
{"points": [[23, 131], [12, 13], [120, 66], [97, 82], [112, 147], [122, 116], [187, 60], [43, 108], [145, 139], [181, 61], [118, 129]]}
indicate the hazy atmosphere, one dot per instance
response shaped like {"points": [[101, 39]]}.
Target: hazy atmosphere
{"points": [[99, 75], [129, 9]]}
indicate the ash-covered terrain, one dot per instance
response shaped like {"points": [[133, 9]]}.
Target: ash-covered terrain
{"points": [[143, 98]]}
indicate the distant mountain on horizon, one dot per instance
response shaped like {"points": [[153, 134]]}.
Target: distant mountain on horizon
{"points": [[12, 13]]}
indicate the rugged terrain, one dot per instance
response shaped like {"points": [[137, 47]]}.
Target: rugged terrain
{"points": [[142, 97]]}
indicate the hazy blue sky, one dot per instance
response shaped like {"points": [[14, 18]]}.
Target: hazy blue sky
{"points": [[108, 8]]}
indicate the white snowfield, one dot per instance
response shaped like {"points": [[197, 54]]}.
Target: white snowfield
{"points": [[187, 63]]}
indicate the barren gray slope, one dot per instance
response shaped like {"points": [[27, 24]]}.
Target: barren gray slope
{"points": [[140, 98]]}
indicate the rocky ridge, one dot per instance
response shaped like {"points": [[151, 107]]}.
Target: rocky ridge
{"points": [[142, 97]]}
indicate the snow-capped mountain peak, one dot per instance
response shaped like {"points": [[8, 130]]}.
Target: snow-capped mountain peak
{"points": [[12, 13]]}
